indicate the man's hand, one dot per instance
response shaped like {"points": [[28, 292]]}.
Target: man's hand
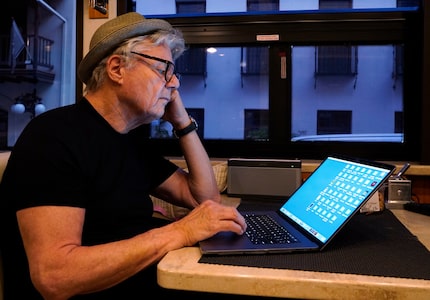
{"points": [[208, 219], [175, 113]]}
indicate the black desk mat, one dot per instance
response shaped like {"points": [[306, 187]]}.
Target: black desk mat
{"points": [[376, 244]]}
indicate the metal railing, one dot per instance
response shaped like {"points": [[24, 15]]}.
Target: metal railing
{"points": [[36, 54]]}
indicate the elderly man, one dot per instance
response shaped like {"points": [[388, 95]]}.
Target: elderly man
{"points": [[76, 191]]}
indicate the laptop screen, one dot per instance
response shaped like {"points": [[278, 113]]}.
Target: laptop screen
{"points": [[332, 194]]}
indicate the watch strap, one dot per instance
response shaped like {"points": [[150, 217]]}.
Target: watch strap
{"points": [[191, 127]]}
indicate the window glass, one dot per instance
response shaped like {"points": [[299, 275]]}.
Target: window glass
{"points": [[232, 93], [230, 85], [372, 96], [258, 86]]}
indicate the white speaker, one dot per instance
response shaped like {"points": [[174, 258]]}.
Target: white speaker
{"points": [[254, 178]]}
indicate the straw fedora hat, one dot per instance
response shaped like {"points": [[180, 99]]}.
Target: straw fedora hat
{"points": [[112, 33]]}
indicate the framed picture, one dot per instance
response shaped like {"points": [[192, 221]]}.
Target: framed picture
{"points": [[99, 9]]}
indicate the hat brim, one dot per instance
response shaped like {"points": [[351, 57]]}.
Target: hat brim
{"points": [[113, 37]]}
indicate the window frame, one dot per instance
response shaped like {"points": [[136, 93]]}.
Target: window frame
{"points": [[355, 27]]}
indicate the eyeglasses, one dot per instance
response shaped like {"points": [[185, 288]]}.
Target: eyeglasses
{"points": [[170, 67]]}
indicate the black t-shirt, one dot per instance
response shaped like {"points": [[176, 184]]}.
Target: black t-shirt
{"points": [[70, 156]]}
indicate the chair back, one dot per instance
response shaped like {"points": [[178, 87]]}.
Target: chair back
{"points": [[4, 157]]}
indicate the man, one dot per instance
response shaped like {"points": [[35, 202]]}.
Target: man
{"points": [[77, 185]]}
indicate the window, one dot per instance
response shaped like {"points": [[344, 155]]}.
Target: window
{"points": [[335, 4], [373, 99], [199, 115], [220, 97], [184, 6], [333, 121], [398, 122], [262, 5], [192, 62], [256, 124], [254, 60], [397, 63], [268, 84], [336, 60], [161, 129], [408, 3], [398, 60]]}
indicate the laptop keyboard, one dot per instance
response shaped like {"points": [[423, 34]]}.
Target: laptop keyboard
{"points": [[263, 229]]}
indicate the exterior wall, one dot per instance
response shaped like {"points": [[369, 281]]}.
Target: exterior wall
{"points": [[58, 23]]}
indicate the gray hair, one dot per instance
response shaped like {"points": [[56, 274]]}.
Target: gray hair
{"points": [[172, 39]]}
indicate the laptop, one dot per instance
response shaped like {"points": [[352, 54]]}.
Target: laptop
{"points": [[313, 215]]}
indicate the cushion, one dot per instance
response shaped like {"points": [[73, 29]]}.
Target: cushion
{"points": [[4, 157], [174, 212]]}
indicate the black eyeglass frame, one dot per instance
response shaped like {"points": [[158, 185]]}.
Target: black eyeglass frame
{"points": [[169, 66]]}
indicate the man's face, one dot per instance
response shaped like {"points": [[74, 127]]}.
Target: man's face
{"points": [[145, 85]]}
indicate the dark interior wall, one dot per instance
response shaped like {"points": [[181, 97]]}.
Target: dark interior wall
{"points": [[425, 149], [79, 44], [15, 9], [123, 6]]}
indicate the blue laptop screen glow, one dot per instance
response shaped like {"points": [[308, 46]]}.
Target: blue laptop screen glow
{"points": [[331, 195]]}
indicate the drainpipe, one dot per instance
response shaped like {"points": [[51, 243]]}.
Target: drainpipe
{"points": [[63, 56]]}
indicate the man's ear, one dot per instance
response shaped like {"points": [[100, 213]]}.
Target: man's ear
{"points": [[114, 68]]}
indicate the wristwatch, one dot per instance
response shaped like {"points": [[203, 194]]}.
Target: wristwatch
{"points": [[181, 132]]}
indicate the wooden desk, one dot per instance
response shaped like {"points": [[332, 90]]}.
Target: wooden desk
{"points": [[180, 269]]}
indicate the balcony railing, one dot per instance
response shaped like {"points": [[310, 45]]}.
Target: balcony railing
{"points": [[33, 63]]}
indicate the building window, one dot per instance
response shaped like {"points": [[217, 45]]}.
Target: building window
{"points": [[408, 3], [186, 7], [335, 4], [398, 122], [256, 124], [397, 63], [262, 5], [254, 61], [334, 121], [192, 62], [199, 115], [336, 60], [161, 129]]}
